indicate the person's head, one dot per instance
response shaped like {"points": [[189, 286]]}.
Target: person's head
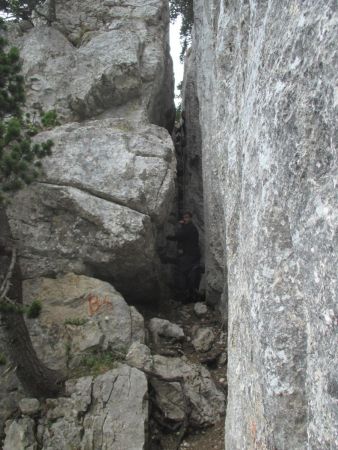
{"points": [[187, 217]]}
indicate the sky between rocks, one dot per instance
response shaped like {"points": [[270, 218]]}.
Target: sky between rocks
{"points": [[175, 47]]}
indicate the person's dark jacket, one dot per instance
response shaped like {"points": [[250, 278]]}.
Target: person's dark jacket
{"points": [[187, 238]]}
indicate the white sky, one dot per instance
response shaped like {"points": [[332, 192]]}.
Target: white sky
{"points": [[175, 47]]}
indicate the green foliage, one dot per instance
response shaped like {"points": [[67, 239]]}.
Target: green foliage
{"points": [[11, 82], [19, 9], [185, 9], [49, 119], [76, 322], [3, 359], [19, 157], [34, 309], [6, 308]]}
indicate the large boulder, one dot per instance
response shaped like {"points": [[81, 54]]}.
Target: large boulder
{"points": [[96, 217], [98, 56], [80, 315]]}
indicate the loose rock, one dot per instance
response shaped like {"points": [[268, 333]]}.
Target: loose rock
{"points": [[161, 327], [203, 339], [200, 309], [29, 406]]}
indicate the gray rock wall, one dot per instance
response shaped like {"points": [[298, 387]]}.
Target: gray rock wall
{"points": [[268, 101]]}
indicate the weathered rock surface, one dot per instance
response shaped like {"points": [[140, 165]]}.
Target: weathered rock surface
{"points": [[20, 435], [266, 89], [96, 217], [110, 411], [205, 400], [80, 315], [192, 177]]}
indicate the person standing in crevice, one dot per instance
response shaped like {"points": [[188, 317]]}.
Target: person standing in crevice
{"points": [[188, 260]]}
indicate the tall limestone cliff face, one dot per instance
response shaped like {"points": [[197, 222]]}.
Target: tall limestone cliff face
{"points": [[105, 68], [268, 99]]}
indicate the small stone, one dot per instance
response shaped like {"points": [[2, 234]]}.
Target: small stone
{"points": [[222, 380], [200, 309], [139, 356], [222, 359], [161, 327], [29, 406], [203, 339]]}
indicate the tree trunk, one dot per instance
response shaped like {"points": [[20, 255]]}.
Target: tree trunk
{"points": [[36, 379]]}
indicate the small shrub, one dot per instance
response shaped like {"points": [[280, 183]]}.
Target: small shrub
{"points": [[98, 363], [34, 309], [76, 322], [49, 119]]}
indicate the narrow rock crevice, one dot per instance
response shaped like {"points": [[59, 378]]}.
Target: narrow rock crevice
{"points": [[94, 193]]}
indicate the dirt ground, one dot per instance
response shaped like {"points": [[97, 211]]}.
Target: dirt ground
{"points": [[214, 360]]}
